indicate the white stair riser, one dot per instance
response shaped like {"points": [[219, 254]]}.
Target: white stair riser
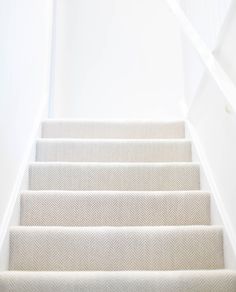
{"points": [[114, 249], [122, 130], [114, 176], [115, 208], [111, 151]]}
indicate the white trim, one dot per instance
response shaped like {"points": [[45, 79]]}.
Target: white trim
{"points": [[19, 182], [224, 82], [230, 236]]}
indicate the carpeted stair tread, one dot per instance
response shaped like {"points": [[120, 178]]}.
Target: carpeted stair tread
{"points": [[115, 206], [118, 281], [116, 248], [107, 208], [107, 150], [112, 129], [114, 176]]}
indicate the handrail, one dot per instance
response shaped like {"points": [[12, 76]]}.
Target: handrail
{"points": [[225, 84]]}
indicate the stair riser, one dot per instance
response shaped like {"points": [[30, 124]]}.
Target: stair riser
{"points": [[120, 130], [74, 151], [117, 177], [114, 249], [114, 209]]}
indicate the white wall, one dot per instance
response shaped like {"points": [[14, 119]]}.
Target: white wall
{"points": [[225, 51], [207, 18], [215, 126], [216, 131], [117, 59], [25, 33]]}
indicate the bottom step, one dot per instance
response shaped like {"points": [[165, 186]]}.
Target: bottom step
{"points": [[181, 281], [116, 248]]}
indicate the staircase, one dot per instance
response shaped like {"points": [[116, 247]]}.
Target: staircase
{"points": [[115, 206]]}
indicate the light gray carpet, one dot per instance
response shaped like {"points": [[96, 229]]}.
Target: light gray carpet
{"points": [[115, 206]]}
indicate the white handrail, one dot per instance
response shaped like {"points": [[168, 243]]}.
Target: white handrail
{"points": [[225, 84]]}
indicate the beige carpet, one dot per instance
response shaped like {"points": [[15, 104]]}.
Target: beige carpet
{"points": [[115, 206]]}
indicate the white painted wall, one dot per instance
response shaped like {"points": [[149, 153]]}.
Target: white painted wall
{"points": [[207, 18], [225, 51], [215, 127], [117, 59], [25, 32], [216, 131]]}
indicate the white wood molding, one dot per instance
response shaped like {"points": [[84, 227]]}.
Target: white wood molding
{"points": [[12, 212], [219, 214], [223, 81]]}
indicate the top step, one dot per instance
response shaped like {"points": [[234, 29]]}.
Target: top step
{"points": [[112, 129]]}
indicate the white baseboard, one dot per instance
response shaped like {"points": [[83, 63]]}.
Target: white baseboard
{"points": [[12, 212], [218, 213]]}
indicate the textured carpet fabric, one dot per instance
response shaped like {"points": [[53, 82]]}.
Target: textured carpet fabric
{"points": [[109, 208], [94, 150], [116, 248], [115, 207], [112, 129], [170, 281], [114, 176]]}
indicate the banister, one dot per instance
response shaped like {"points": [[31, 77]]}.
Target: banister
{"points": [[225, 84]]}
